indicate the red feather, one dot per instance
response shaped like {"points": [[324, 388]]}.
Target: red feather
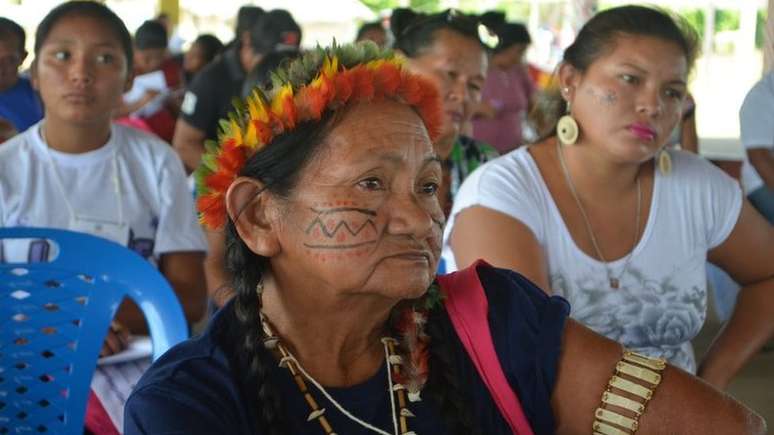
{"points": [[362, 79], [387, 79], [410, 326], [344, 87], [410, 89], [213, 209]]}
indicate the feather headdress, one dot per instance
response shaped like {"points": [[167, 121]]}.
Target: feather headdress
{"points": [[321, 80]]}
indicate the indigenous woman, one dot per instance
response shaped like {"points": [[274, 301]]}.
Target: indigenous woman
{"points": [[602, 214], [327, 186]]}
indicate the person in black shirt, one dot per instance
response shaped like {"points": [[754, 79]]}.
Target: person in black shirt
{"points": [[209, 97]]}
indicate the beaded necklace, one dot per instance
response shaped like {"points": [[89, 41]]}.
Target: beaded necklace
{"points": [[400, 415]]}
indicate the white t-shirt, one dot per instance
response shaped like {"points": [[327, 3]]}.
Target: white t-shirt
{"points": [[134, 180], [662, 300], [756, 121]]}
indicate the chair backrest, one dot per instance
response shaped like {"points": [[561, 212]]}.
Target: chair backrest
{"points": [[54, 317]]}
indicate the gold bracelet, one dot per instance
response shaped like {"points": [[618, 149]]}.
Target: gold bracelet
{"points": [[636, 376]]}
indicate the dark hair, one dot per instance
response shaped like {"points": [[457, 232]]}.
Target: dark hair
{"points": [[414, 31], [598, 36], [278, 166], [246, 17], [210, 45], [275, 30], [492, 19], [509, 34], [261, 73], [9, 28], [368, 27], [89, 9], [151, 34]]}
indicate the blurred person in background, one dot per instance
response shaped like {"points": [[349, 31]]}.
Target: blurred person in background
{"points": [[756, 120], [508, 91], [20, 105], [203, 50], [209, 98], [446, 48], [157, 76], [373, 31]]}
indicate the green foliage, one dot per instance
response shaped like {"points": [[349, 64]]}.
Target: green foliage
{"points": [[515, 11], [760, 30], [726, 19], [695, 17], [426, 6], [380, 5]]}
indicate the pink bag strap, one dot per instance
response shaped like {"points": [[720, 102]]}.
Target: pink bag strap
{"points": [[468, 310]]}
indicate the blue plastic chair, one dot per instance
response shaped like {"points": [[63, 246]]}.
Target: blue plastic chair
{"points": [[53, 320]]}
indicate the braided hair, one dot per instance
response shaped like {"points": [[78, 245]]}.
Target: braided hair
{"points": [[278, 167]]}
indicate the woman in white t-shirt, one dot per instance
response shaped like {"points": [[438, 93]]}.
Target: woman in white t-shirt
{"points": [[602, 214]]}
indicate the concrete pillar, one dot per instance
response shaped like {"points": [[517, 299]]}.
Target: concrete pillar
{"points": [[171, 8]]}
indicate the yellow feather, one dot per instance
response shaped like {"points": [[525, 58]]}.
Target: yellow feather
{"points": [[257, 107], [251, 136], [330, 66], [277, 103], [235, 132]]}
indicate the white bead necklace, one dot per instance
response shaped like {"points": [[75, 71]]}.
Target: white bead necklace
{"points": [[399, 414]]}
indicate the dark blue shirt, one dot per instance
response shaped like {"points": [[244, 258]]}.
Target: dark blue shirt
{"points": [[20, 105], [192, 390]]}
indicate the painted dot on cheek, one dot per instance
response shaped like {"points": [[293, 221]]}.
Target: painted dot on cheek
{"points": [[316, 232], [340, 237]]}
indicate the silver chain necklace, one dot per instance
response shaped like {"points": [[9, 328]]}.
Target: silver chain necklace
{"points": [[615, 281]]}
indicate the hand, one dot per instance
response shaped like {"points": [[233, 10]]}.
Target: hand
{"points": [[485, 110], [222, 295], [117, 339], [150, 94], [7, 130]]}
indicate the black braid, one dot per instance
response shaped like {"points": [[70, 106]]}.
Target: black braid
{"points": [[278, 167], [445, 386], [252, 364]]}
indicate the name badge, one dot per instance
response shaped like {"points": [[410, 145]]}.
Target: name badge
{"points": [[116, 232]]}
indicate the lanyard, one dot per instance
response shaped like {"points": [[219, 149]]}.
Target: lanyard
{"points": [[60, 184]]}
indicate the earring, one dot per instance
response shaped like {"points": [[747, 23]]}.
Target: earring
{"points": [[664, 162], [567, 129]]}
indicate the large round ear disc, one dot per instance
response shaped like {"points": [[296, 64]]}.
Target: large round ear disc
{"points": [[664, 163], [567, 130]]}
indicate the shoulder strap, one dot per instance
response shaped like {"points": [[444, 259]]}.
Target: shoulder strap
{"points": [[468, 309]]}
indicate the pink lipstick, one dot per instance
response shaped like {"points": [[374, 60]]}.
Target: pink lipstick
{"points": [[643, 131]]}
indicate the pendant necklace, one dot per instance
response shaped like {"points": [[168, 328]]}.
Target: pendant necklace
{"points": [[614, 281]]}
